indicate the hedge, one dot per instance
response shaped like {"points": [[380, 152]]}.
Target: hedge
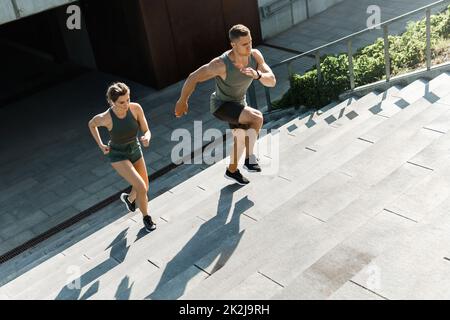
{"points": [[406, 52]]}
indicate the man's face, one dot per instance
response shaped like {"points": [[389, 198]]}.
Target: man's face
{"points": [[243, 45]]}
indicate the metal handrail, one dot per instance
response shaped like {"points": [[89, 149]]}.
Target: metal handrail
{"points": [[276, 6], [384, 25]]}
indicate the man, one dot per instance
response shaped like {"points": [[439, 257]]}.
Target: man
{"points": [[234, 71]]}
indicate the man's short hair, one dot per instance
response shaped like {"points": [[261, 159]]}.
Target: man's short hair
{"points": [[238, 31]]}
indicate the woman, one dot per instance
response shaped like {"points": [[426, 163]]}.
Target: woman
{"points": [[123, 120]]}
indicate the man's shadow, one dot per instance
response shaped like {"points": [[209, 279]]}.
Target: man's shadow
{"points": [[209, 237]]}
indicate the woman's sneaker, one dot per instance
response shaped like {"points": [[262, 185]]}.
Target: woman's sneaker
{"points": [[251, 164], [236, 177], [131, 206], [149, 224]]}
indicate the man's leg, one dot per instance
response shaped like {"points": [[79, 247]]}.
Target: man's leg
{"points": [[238, 148], [232, 172], [254, 119]]}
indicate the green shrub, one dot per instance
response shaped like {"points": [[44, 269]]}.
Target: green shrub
{"points": [[406, 51]]}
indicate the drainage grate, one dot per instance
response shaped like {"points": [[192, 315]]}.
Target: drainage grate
{"points": [[88, 212]]}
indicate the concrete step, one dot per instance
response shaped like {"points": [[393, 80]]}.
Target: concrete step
{"points": [[218, 256], [283, 266], [402, 133], [416, 267], [302, 209], [40, 278], [374, 126], [294, 197], [82, 249], [421, 88], [329, 273], [325, 127], [58, 259], [33, 257], [4, 296], [346, 187], [352, 291], [386, 104], [121, 262], [308, 125], [416, 202], [99, 250], [198, 236], [194, 229]]}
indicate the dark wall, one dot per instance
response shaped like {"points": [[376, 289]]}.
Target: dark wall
{"points": [[40, 32], [118, 38], [159, 42]]}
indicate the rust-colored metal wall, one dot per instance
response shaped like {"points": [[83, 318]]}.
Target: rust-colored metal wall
{"points": [[197, 31], [245, 12], [159, 42]]}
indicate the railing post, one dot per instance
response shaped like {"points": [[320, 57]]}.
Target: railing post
{"points": [[428, 24], [319, 74], [387, 58], [292, 11], [17, 10], [307, 9], [252, 96], [268, 100], [290, 72], [350, 65]]}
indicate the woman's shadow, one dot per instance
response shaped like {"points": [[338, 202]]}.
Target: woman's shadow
{"points": [[119, 250], [209, 237]]}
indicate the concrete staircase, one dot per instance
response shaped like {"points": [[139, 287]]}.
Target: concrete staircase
{"points": [[353, 206]]}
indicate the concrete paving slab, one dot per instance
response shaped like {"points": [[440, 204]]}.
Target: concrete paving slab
{"points": [[405, 276], [339, 226], [352, 291], [338, 266]]}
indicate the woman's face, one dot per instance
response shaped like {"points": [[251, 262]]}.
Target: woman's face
{"points": [[123, 102]]}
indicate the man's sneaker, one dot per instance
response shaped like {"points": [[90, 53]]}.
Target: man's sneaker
{"points": [[131, 206], [149, 224], [237, 177], [251, 164]]}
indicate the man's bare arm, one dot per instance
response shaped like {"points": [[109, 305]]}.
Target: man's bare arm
{"points": [[267, 77], [208, 71]]}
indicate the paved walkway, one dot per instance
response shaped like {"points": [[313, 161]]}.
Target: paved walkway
{"points": [[51, 169]]}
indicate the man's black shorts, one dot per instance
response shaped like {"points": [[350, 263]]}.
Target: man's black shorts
{"points": [[230, 112]]}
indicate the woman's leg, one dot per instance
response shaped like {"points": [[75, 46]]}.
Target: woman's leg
{"points": [[142, 170], [129, 173]]}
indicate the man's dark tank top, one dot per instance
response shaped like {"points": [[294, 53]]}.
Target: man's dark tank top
{"points": [[235, 86]]}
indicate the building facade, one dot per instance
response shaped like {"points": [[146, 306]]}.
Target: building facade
{"points": [[154, 42]]}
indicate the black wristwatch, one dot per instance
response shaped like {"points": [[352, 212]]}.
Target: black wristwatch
{"points": [[259, 75]]}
